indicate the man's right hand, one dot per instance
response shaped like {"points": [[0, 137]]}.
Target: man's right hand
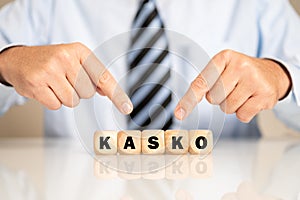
{"points": [[58, 75]]}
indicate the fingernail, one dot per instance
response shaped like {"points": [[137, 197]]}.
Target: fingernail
{"points": [[180, 113], [126, 108]]}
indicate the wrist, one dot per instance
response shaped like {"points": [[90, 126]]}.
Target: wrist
{"points": [[2, 80], [284, 80], [4, 54]]}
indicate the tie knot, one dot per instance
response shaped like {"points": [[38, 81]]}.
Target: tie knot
{"points": [[143, 2], [147, 16]]}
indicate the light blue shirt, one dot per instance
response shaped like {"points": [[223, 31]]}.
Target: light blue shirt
{"points": [[258, 28]]}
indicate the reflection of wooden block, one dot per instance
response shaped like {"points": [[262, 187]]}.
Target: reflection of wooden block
{"points": [[129, 142], [177, 141], [129, 166], [105, 142], [177, 167], [153, 142], [201, 142], [153, 167], [106, 167], [201, 167]]}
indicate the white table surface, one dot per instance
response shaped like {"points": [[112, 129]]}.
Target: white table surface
{"points": [[54, 169]]}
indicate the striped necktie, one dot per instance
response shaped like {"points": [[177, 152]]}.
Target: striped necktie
{"points": [[149, 76]]}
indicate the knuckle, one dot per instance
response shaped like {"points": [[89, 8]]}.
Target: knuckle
{"points": [[36, 79], [223, 107], [71, 100], [230, 105], [227, 108], [68, 104], [50, 68], [231, 108], [209, 98], [199, 84], [84, 50], [88, 94], [74, 76], [57, 106], [51, 65], [76, 102], [226, 53], [63, 55], [86, 89], [213, 99], [257, 106], [54, 106], [104, 78], [77, 45], [221, 56], [243, 117], [254, 75], [61, 60], [244, 67], [216, 101], [246, 64]]}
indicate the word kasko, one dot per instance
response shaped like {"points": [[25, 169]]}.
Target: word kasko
{"points": [[153, 142]]}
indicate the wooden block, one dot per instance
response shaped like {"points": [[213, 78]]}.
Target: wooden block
{"points": [[105, 142], [178, 167], [105, 167], [153, 167], [153, 142], [177, 141], [201, 166], [129, 142], [129, 167], [201, 142]]}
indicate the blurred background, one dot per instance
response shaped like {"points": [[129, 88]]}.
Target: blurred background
{"points": [[27, 120]]}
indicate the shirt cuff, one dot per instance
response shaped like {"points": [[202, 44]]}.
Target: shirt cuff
{"points": [[10, 46]]}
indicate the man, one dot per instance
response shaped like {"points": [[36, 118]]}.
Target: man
{"points": [[261, 69]]}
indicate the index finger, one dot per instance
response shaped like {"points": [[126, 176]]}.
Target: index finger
{"points": [[104, 80], [201, 85]]}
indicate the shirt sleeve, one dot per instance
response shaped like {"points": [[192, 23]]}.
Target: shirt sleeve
{"points": [[279, 26], [22, 22]]}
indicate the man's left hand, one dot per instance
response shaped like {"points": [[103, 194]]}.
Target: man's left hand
{"points": [[238, 84]]}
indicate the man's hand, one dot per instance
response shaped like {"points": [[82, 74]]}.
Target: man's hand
{"points": [[60, 74], [238, 84]]}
